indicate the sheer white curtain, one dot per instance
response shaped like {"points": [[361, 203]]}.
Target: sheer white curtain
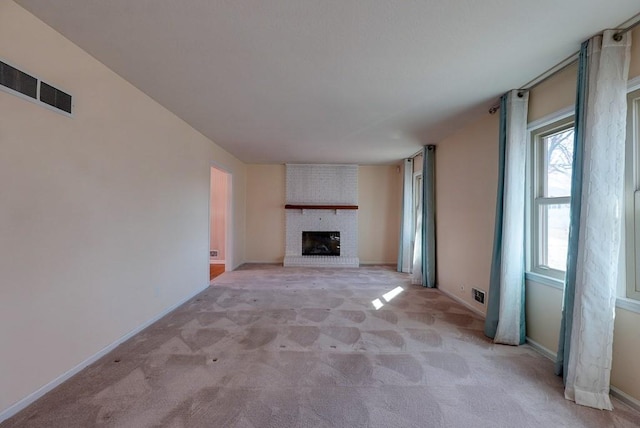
{"points": [[587, 380], [505, 320], [424, 255], [404, 253], [511, 319]]}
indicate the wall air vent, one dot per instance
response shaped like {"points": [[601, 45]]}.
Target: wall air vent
{"points": [[31, 88], [55, 97], [18, 81]]}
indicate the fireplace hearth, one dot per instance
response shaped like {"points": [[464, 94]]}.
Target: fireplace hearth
{"points": [[316, 243]]}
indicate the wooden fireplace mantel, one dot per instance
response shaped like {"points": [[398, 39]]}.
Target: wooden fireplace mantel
{"points": [[320, 207]]}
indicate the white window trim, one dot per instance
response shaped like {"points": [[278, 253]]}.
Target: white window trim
{"points": [[633, 84], [631, 236], [631, 305], [552, 118], [624, 299], [544, 280], [549, 124]]}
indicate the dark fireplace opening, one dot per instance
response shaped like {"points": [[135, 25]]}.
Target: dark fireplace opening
{"points": [[320, 243]]}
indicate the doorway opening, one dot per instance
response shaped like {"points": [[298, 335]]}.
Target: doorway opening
{"points": [[220, 222]]}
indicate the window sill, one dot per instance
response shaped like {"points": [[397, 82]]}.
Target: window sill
{"points": [[544, 280], [631, 305]]}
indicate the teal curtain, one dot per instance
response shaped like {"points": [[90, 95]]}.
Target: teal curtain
{"points": [[505, 319], [428, 217], [493, 304], [564, 341]]}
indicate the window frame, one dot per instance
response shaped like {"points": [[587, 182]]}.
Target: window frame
{"points": [[631, 233], [536, 200], [626, 297]]}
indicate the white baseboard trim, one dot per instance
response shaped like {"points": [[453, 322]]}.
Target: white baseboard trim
{"points": [[463, 303], [29, 399], [615, 392], [625, 398], [541, 349]]}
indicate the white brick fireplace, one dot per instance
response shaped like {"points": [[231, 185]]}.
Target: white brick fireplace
{"points": [[322, 198]]}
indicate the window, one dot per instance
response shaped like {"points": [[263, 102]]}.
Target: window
{"points": [[552, 156], [632, 196]]}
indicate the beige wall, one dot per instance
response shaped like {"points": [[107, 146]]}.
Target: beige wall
{"points": [[625, 371], [466, 176], [379, 193], [218, 212], [466, 179], [543, 314], [265, 213], [379, 202], [634, 65], [553, 94], [104, 217]]}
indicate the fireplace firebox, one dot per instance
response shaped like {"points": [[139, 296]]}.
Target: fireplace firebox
{"points": [[320, 243]]}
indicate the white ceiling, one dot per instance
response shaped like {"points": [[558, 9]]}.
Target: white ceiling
{"points": [[342, 81]]}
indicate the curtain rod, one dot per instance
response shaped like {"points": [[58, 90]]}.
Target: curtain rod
{"points": [[631, 24], [418, 153], [571, 59]]}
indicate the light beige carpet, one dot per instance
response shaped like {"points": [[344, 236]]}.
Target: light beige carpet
{"points": [[297, 347]]}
